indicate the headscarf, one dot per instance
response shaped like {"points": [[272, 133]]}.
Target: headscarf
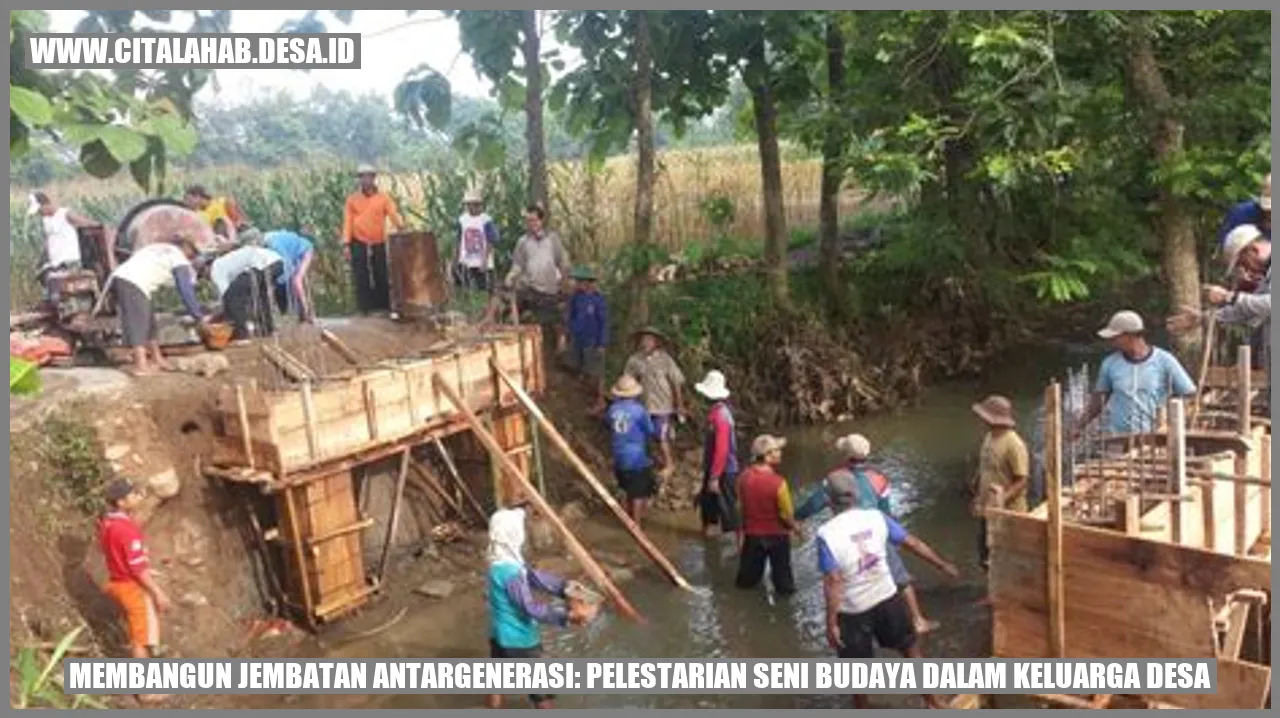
{"points": [[506, 536]]}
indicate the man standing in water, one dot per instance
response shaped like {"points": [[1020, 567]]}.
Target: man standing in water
{"points": [[514, 613], [720, 458], [1134, 381], [874, 493], [764, 533], [630, 430], [863, 606], [1003, 469], [663, 384]]}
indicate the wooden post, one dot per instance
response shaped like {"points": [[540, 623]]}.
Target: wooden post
{"points": [[1205, 358], [299, 554], [1264, 471], [243, 413], [565, 448], [394, 521], [1207, 490], [575, 547], [371, 411], [1133, 514], [1244, 371], [1053, 487], [309, 415], [1176, 451]]}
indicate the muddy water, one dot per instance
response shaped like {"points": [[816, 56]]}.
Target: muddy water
{"points": [[927, 451]]}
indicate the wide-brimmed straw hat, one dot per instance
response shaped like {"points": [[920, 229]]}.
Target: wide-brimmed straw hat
{"points": [[996, 411], [766, 443], [713, 386], [652, 331], [854, 446], [626, 388]]}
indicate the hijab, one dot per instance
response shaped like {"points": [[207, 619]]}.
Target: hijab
{"points": [[506, 536]]}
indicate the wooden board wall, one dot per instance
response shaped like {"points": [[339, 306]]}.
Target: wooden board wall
{"points": [[1125, 596], [377, 407], [333, 569]]}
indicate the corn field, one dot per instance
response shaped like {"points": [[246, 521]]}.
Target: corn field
{"points": [[701, 196]]}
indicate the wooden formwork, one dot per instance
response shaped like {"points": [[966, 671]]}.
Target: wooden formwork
{"points": [[1185, 573]]}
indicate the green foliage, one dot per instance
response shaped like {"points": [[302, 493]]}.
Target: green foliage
{"points": [[37, 677], [78, 474], [719, 210]]}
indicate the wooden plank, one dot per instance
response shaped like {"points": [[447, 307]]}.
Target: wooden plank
{"points": [[340, 532], [579, 551], [339, 346], [308, 407], [1241, 685], [1125, 595], [1264, 471], [1054, 598], [300, 559], [1176, 453]]}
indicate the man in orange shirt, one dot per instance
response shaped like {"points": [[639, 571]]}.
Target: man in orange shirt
{"points": [[364, 240]]}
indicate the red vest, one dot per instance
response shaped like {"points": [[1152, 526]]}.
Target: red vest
{"points": [[758, 494]]}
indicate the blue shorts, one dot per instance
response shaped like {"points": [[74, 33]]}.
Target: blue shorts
{"points": [[897, 568], [665, 426]]}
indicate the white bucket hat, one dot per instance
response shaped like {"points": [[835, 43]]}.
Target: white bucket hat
{"points": [[713, 386], [472, 197], [1125, 322]]}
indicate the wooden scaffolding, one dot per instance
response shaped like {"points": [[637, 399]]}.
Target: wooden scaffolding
{"points": [[1158, 548]]}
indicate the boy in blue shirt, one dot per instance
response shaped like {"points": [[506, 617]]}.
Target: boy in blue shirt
{"points": [[514, 612], [587, 322], [630, 431]]}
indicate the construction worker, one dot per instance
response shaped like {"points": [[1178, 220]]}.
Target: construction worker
{"points": [[539, 274], [222, 214], [1004, 468], [587, 325], [1135, 381], [477, 235], [364, 240], [874, 493], [292, 291], [514, 612], [131, 583], [1252, 211], [136, 280], [61, 239], [663, 384], [767, 519], [243, 278], [630, 429], [717, 504], [863, 605]]}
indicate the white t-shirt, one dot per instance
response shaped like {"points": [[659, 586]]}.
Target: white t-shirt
{"points": [[61, 240], [231, 265], [473, 244], [152, 267], [855, 543]]}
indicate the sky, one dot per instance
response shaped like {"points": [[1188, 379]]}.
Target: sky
{"points": [[385, 57]]}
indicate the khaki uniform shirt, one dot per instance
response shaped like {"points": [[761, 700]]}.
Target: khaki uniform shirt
{"points": [[1002, 460]]}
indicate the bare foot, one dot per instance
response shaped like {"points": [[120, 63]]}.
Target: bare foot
{"points": [[141, 371], [927, 626]]}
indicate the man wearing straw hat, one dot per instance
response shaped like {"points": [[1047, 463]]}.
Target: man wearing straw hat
{"points": [[364, 240], [716, 499], [630, 430], [663, 384], [477, 235], [1004, 467]]}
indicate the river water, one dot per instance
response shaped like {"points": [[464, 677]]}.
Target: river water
{"points": [[928, 452]]}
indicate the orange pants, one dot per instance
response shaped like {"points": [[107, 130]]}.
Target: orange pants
{"points": [[139, 612]]}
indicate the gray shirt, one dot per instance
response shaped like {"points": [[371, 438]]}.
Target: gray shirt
{"points": [[659, 374], [539, 263], [1254, 311]]}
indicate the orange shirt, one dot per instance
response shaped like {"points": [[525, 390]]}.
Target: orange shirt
{"points": [[364, 219]]}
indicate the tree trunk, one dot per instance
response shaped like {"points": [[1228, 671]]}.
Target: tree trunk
{"points": [[1172, 223], [775, 220], [533, 132], [643, 99], [833, 146]]}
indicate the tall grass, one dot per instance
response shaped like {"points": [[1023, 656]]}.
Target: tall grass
{"points": [[592, 207]]}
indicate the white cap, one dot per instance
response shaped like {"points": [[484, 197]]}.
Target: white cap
{"points": [[766, 443], [1264, 201], [1236, 240], [366, 169], [713, 386], [1125, 322], [854, 446]]}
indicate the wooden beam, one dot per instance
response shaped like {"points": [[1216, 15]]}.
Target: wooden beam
{"points": [[339, 533], [299, 555], [589, 476], [1209, 535], [1264, 470], [1177, 455], [580, 552], [242, 412], [339, 346], [309, 414], [1053, 486], [394, 521], [458, 480], [1206, 358]]}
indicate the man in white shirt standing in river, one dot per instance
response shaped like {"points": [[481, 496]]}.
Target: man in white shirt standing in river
{"points": [[864, 606]]}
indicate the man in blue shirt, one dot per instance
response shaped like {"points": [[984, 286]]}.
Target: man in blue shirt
{"points": [[630, 431], [1255, 211], [291, 286], [1135, 381], [587, 322]]}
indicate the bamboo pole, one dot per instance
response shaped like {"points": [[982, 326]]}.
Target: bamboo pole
{"points": [[563, 445], [1206, 357], [394, 521], [458, 481], [1053, 486], [1176, 452], [575, 547]]}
